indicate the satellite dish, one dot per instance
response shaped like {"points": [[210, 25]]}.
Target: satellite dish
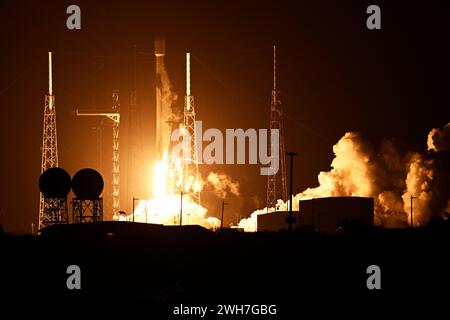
{"points": [[87, 184], [55, 183]]}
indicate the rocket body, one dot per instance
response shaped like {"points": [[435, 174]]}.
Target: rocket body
{"points": [[160, 52]]}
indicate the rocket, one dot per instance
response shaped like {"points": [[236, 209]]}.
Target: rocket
{"points": [[160, 51]]}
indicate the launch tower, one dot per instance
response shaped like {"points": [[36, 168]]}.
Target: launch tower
{"points": [[190, 161]]}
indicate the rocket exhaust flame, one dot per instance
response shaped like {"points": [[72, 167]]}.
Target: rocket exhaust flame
{"points": [[173, 186], [164, 207]]}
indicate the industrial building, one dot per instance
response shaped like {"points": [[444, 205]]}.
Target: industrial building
{"points": [[324, 215]]}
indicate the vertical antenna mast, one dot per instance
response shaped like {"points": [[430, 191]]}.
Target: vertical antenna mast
{"points": [[274, 68], [276, 184], [50, 77], [49, 148], [188, 74]]}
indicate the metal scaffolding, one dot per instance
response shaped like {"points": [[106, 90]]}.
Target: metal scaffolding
{"points": [[276, 184], [115, 117], [49, 149], [190, 161], [87, 210]]}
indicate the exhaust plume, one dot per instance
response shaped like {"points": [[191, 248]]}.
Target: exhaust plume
{"points": [[167, 114]]}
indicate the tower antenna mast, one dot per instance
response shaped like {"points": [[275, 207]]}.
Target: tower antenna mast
{"points": [[49, 148], [276, 184]]}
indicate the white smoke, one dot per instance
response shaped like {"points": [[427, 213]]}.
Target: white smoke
{"points": [[439, 140], [250, 224], [385, 174], [222, 184], [419, 183]]}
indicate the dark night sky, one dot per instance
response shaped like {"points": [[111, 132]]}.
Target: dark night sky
{"points": [[335, 76]]}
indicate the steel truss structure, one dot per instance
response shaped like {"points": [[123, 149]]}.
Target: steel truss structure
{"points": [[276, 184]]}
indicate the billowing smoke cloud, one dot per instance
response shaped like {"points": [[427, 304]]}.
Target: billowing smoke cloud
{"points": [[439, 140], [419, 185], [383, 173], [353, 170], [223, 184], [360, 170]]}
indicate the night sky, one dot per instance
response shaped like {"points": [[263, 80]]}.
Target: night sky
{"points": [[335, 76]]}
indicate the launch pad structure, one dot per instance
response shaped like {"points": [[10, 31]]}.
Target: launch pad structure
{"points": [[189, 170], [85, 210], [115, 117], [165, 125], [190, 155]]}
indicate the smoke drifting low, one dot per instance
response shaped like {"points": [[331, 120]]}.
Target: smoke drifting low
{"points": [[386, 174], [222, 184]]}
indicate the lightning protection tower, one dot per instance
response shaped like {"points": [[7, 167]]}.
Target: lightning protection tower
{"points": [[49, 149], [276, 184], [190, 160]]}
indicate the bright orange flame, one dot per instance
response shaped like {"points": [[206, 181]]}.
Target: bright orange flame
{"points": [[160, 180], [164, 207]]}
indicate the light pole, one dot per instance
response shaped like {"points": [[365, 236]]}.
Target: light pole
{"points": [[146, 212], [181, 208], [290, 219], [134, 200], [412, 198]]}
